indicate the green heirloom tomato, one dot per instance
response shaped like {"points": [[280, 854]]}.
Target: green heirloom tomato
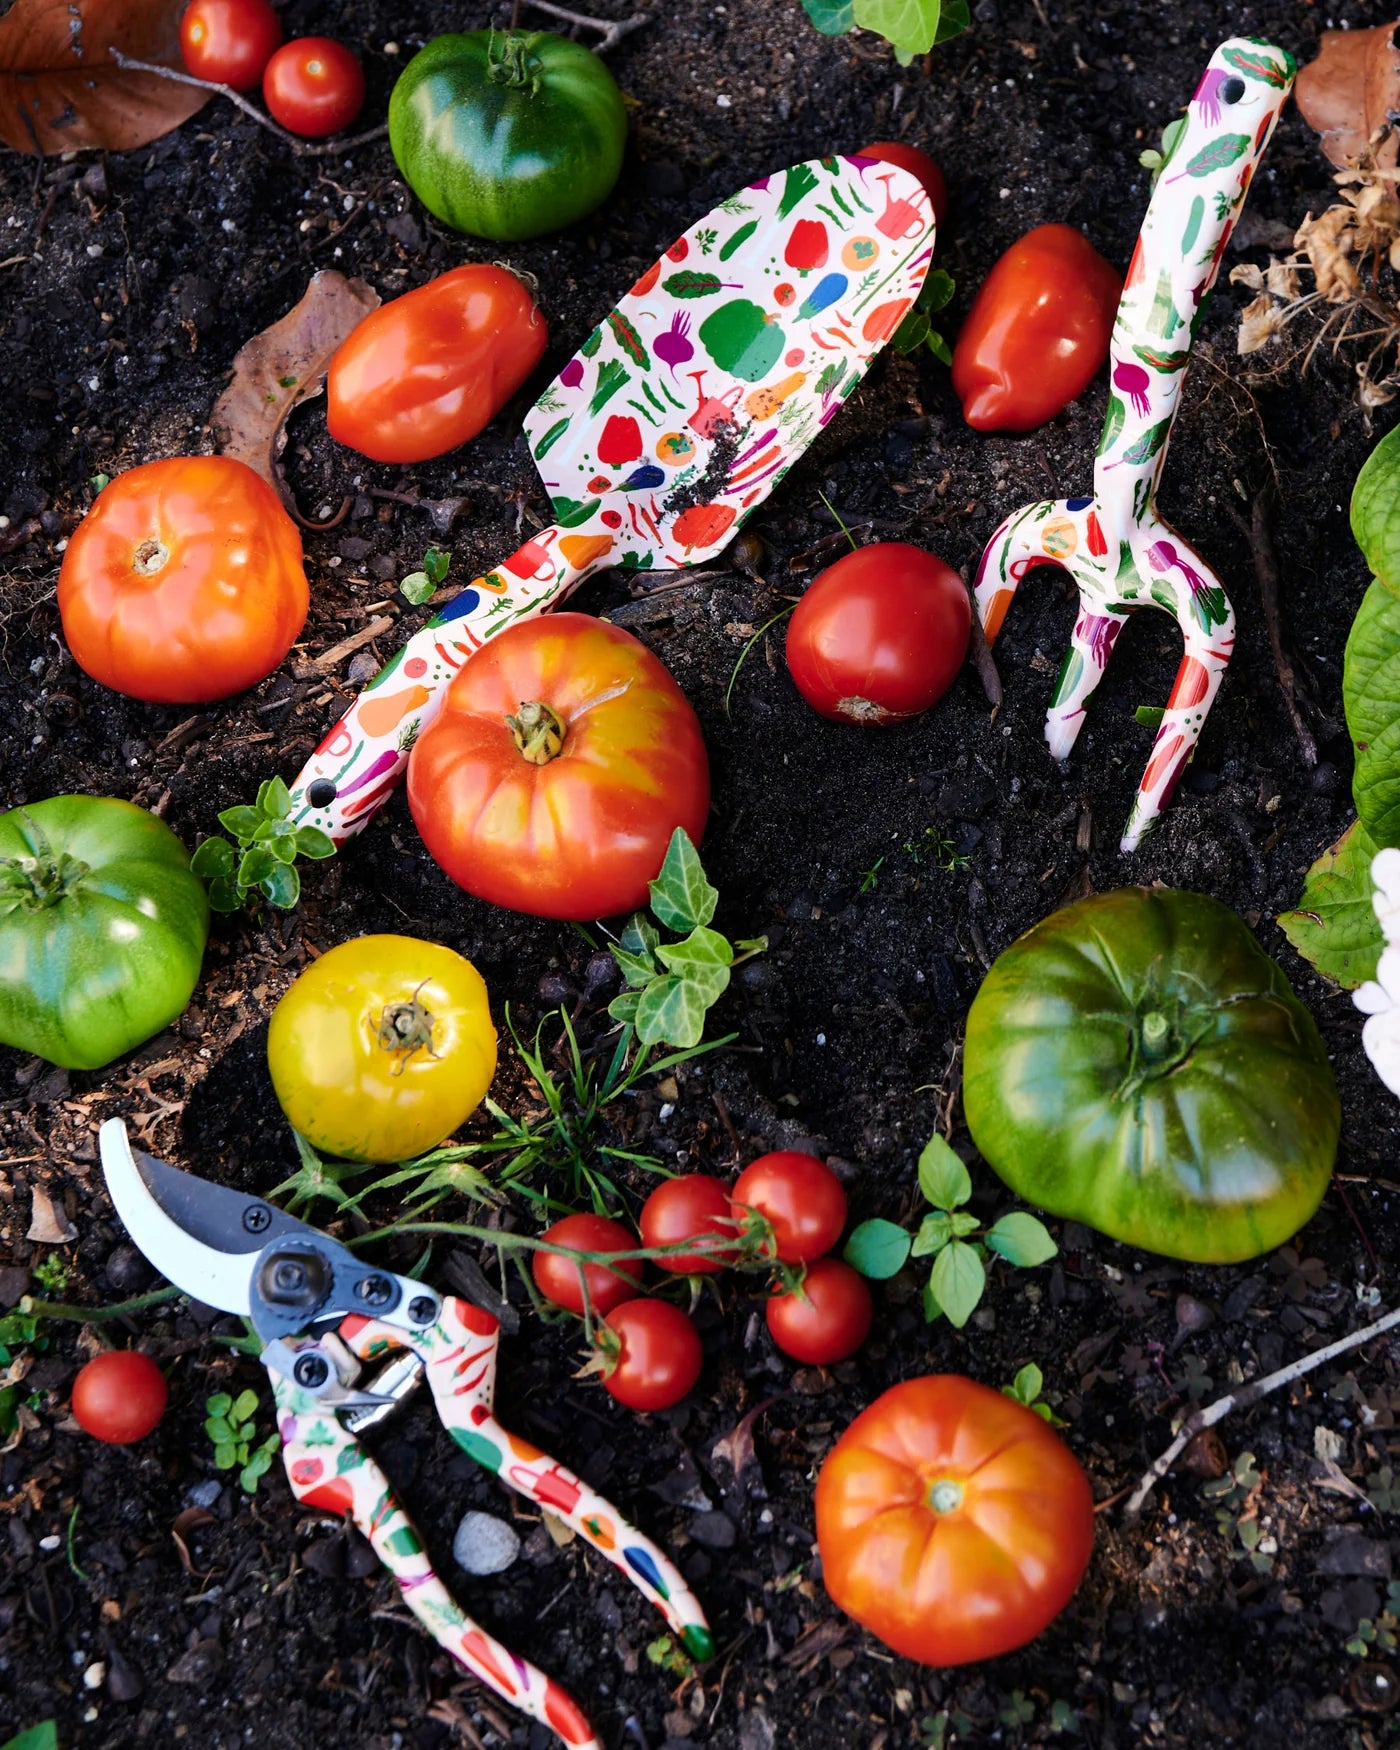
{"points": [[1138, 1063], [102, 928], [507, 134]]}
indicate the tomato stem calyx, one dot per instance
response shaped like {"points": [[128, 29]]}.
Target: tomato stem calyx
{"points": [[539, 731], [406, 1027], [945, 1496], [150, 557], [510, 62], [35, 883]]}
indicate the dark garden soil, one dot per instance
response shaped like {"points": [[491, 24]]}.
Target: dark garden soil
{"points": [[888, 870]]}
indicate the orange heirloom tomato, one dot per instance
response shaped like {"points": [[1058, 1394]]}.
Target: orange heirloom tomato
{"points": [[1037, 332], [951, 1521], [564, 758], [421, 375], [184, 582]]}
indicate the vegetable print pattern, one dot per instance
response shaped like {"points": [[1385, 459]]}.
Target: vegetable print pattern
{"points": [[1119, 552], [329, 1470], [677, 416]]}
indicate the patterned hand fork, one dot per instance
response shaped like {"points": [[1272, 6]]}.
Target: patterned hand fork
{"points": [[321, 1313], [1119, 552]]}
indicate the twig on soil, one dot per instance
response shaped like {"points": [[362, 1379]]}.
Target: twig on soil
{"points": [[1249, 1394], [329, 659], [980, 655], [302, 148], [613, 30], [1260, 531]]}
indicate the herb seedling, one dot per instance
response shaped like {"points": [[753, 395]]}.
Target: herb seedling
{"points": [[1026, 1388], [1378, 1634], [263, 857], [916, 331], [231, 1427], [422, 586], [1234, 1497], [671, 1657], [955, 1240], [911, 27], [52, 1274]]}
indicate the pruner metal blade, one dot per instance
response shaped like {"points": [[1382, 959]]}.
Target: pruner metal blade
{"points": [[204, 1238]]}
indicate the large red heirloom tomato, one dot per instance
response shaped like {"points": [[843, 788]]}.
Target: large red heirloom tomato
{"points": [[563, 760], [184, 582], [951, 1521]]}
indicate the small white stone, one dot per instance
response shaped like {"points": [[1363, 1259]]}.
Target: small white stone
{"points": [[721, 102], [391, 48], [484, 1544], [95, 1675], [50, 1542], [228, 225], [1006, 194], [94, 250]]}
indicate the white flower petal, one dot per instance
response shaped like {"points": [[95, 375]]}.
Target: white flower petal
{"points": [[1371, 999], [1380, 1038], [1385, 876]]}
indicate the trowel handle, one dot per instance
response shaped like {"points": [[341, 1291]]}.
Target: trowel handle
{"points": [[351, 774]]}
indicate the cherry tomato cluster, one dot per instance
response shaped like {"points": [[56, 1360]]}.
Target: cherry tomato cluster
{"points": [[786, 1209], [313, 86]]}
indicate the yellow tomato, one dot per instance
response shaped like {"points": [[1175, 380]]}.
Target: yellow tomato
{"points": [[382, 1048]]}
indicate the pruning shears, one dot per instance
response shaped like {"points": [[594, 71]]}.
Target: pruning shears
{"points": [[322, 1314]]}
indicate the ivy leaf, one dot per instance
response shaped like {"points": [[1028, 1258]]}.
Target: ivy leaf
{"points": [[639, 935], [703, 959], [943, 1178], [681, 897], [831, 17], [637, 971], [671, 1012], [1335, 927], [215, 857], [1021, 1239], [624, 1008], [957, 1280], [877, 1249]]}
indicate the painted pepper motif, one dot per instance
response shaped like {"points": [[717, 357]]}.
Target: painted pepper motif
{"points": [[1119, 552], [677, 416]]}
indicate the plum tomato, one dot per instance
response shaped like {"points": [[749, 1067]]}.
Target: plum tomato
{"points": [[880, 635], [608, 1285], [119, 1396], [951, 1521], [1038, 331], [918, 164], [229, 41], [382, 1047], [563, 759], [651, 1354], [694, 1206], [425, 373], [314, 86], [800, 1198], [184, 582], [831, 1323]]}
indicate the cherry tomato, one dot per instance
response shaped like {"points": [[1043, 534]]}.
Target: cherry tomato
{"points": [[119, 1396], [425, 373], [382, 1048], [229, 41], [184, 582], [655, 1354], [608, 1286], [918, 164], [831, 1323], [799, 1197], [562, 761], [880, 635], [694, 1206], [1037, 332], [314, 86], [951, 1521]]}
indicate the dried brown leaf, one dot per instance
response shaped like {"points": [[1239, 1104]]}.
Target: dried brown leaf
{"points": [[283, 366], [48, 1224], [60, 90], [1349, 90], [1260, 321], [1327, 241]]}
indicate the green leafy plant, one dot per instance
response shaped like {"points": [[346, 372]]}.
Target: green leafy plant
{"points": [[1378, 1634], [41, 1737], [1154, 158], [1026, 1389], [1233, 1496], [956, 1241], [911, 27], [17, 1330], [671, 986], [230, 1425], [916, 330], [671, 1657], [52, 1274], [421, 586], [941, 1730], [263, 857]]}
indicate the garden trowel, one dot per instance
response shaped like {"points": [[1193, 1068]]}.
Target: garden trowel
{"points": [[675, 418]]}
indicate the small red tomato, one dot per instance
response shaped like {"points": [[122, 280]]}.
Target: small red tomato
{"points": [[314, 86], [608, 1286], [1037, 332], [800, 1198], [693, 1207], [229, 41], [831, 1323], [918, 164], [653, 1355], [119, 1396], [880, 635]]}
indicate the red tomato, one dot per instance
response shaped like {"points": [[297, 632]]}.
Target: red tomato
{"points": [[314, 86], [799, 1197], [558, 1280], [918, 164], [1037, 332], [656, 1355], [831, 1323], [952, 1522], [425, 373], [582, 833], [229, 41], [693, 1206], [184, 582], [880, 635], [119, 1396]]}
